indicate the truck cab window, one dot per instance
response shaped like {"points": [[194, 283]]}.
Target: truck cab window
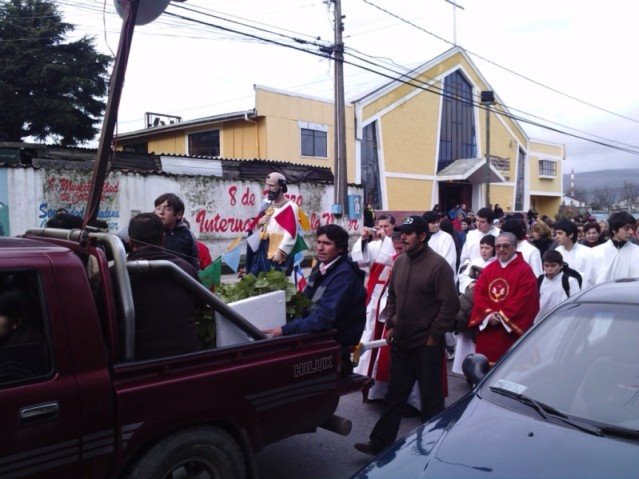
{"points": [[24, 352]]}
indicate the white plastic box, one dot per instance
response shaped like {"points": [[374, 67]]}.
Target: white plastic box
{"points": [[266, 311]]}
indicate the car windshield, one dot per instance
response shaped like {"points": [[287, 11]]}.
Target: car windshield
{"points": [[583, 361]]}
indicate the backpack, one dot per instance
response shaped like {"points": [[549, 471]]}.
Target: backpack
{"points": [[567, 273], [466, 300]]}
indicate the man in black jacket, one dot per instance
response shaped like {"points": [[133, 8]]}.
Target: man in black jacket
{"points": [[164, 309]]}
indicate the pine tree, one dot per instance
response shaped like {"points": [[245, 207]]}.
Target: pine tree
{"points": [[50, 88]]}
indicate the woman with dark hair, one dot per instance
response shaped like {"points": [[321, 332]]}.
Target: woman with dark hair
{"points": [[593, 235], [541, 236]]}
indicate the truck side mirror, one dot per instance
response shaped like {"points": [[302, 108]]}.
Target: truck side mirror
{"points": [[475, 367]]}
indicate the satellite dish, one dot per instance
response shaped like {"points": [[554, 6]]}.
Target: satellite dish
{"points": [[148, 10]]}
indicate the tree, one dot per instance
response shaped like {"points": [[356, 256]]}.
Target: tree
{"points": [[629, 193], [49, 88], [602, 198]]}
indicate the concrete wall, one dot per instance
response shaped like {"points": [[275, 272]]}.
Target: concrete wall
{"points": [[217, 209]]}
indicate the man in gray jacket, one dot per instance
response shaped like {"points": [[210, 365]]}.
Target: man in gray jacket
{"points": [[422, 304]]}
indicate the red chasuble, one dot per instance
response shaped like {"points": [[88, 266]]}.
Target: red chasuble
{"points": [[512, 292]]}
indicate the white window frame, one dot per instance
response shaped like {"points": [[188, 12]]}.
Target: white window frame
{"points": [[544, 164], [304, 125]]}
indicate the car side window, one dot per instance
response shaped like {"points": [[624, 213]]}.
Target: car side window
{"points": [[24, 348]]}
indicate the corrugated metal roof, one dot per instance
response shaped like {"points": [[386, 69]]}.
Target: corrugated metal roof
{"points": [[52, 156], [146, 132]]}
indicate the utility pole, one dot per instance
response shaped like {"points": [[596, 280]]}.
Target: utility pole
{"points": [[111, 113], [487, 99], [340, 168]]}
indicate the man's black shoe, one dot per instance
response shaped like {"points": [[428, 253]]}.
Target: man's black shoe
{"points": [[366, 448]]}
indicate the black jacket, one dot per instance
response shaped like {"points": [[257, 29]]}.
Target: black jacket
{"points": [[182, 242]]}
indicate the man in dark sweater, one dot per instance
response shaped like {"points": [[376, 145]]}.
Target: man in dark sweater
{"points": [[164, 309], [422, 304]]}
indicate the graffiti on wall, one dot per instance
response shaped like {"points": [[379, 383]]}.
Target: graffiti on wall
{"points": [[240, 204], [71, 191]]}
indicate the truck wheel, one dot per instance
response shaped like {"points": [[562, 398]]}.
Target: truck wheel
{"points": [[202, 453]]}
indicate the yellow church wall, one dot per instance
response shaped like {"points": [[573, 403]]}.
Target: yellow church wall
{"points": [[502, 195], [550, 152], [537, 183], [407, 146], [546, 205], [502, 142], [551, 149], [408, 194], [434, 74]]}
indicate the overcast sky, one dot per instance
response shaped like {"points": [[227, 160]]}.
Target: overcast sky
{"points": [[583, 50]]}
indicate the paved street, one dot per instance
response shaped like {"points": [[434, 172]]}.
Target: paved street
{"points": [[326, 455]]}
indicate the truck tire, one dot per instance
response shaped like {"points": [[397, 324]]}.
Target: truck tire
{"points": [[202, 453]]}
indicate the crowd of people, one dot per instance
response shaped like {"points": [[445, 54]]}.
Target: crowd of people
{"points": [[437, 286], [507, 269]]}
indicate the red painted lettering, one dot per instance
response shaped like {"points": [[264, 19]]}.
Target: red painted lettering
{"points": [[232, 191], [297, 199], [353, 225], [248, 198], [217, 224]]}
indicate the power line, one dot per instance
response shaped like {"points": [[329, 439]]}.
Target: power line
{"points": [[408, 71], [204, 11], [408, 22]]}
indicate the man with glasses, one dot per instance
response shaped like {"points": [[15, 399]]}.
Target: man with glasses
{"points": [[506, 300]]}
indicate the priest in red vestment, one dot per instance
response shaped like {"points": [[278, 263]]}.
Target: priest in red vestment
{"points": [[506, 300]]}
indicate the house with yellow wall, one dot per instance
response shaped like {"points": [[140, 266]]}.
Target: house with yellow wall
{"points": [[282, 127], [422, 142], [411, 144]]}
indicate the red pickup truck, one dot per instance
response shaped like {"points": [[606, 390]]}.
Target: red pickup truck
{"points": [[74, 402]]}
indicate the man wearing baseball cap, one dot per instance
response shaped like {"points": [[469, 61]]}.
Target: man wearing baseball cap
{"points": [[422, 304]]}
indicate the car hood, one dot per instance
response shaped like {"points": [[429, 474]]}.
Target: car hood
{"points": [[476, 438]]}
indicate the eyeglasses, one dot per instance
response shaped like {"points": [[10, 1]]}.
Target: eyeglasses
{"points": [[503, 246]]}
